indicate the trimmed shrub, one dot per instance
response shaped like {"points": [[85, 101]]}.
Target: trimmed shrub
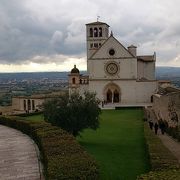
{"points": [[172, 174], [164, 165], [160, 156], [62, 156]]}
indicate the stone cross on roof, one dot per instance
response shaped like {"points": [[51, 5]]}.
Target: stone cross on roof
{"points": [[98, 18]]}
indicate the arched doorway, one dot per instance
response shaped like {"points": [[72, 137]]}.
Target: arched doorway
{"points": [[112, 93], [116, 96], [109, 96]]}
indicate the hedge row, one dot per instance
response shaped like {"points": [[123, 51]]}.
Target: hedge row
{"points": [[164, 165], [62, 157], [171, 174]]}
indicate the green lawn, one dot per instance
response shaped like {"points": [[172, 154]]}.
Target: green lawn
{"points": [[118, 145], [35, 118]]}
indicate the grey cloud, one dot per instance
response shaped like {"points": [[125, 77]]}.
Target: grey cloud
{"points": [[31, 29], [23, 35]]}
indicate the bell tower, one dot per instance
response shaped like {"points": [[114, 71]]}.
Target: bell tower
{"points": [[74, 78], [96, 34]]}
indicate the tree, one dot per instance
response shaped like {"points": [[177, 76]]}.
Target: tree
{"points": [[73, 113]]}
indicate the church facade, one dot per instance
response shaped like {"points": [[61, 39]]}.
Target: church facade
{"points": [[117, 74]]}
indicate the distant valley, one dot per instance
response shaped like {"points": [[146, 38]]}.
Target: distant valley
{"points": [[165, 73], [169, 73], [26, 84]]}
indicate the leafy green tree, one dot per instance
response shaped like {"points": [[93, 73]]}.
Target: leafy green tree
{"points": [[73, 113]]}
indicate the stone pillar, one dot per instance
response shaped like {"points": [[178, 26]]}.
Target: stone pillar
{"points": [[112, 96], [26, 104]]}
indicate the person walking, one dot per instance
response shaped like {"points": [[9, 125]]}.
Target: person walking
{"points": [[102, 104], [151, 124], [162, 127], [156, 128]]}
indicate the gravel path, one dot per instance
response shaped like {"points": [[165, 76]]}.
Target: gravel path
{"points": [[18, 156], [171, 144]]}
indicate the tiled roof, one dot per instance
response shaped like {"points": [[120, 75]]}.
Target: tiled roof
{"points": [[164, 81], [146, 58], [97, 23], [172, 89], [132, 46], [168, 90]]}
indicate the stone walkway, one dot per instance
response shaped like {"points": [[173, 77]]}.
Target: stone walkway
{"points": [[18, 156], [171, 144]]}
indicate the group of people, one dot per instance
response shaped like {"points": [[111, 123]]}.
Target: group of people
{"points": [[156, 126]]}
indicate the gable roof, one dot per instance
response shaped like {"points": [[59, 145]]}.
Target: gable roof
{"points": [[106, 46]]}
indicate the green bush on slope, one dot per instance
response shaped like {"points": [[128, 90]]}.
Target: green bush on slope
{"points": [[164, 165], [62, 156]]}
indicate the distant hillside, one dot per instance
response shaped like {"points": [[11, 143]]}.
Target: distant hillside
{"points": [[168, 72], [33, 75]]}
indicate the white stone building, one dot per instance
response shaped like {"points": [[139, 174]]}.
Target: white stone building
{"points": [[117, 74], [30, 104], [23, 104]]}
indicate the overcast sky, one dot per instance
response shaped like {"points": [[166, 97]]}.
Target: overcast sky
{"points": [[49, 35]]}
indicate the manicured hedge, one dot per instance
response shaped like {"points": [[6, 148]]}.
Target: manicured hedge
{"points": [[62, 157], [171, 174], [164, 165]]}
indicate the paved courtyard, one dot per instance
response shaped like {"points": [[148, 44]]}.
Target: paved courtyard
{"points": [[18, 156]]}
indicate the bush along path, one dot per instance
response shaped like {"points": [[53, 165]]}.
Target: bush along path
{"points": [[164, 165], [62, 156], [18, 156]]}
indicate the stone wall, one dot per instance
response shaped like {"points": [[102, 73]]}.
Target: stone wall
{"points": [[131, 91], [167, 107], [27, 104], [5, 110], [127, 68], [146, 70]]}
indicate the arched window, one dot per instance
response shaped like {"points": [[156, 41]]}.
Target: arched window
{"points": [[112, 93], [33, 105], [91, 32], [29, 104], [24, 104], [74, 81], [95, 45], [95, 32], [151, 99], [100, 32]]}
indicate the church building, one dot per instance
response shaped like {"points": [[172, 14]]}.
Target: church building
{"points": [[117, 74]]}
